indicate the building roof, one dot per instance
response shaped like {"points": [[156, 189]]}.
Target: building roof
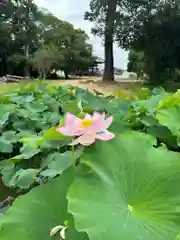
{"points": [[99, 60]]}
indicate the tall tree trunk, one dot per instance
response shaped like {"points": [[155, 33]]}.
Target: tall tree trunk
{"points": [[108, 41], [26, 69], [44, 75], [41, 74]]}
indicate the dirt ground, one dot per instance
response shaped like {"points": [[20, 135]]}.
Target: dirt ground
{"points": [[98, 85], [106, 88]]}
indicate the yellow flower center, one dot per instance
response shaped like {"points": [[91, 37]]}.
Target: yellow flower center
{"points": [[86, 123]]}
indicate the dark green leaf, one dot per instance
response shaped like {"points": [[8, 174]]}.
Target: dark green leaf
{"points": [[56, 163], [170, 117], [10, 137], [24, 178], [131, 190], [3, 115], [27, 152], [5, 147], [33, 215], [52, 135], [7, 171]]}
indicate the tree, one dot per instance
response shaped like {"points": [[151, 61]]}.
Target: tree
{"points": [[136, 63], [18, 19], [159, 40], [71, 43], [6, 42], [25, 29], [108, 40], [113, 17], [103, 12], [131, 17], [43, 60], [77, 53]]}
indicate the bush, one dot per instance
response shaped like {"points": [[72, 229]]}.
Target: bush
{"points": [[125, 188]]}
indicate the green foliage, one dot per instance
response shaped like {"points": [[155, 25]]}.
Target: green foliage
{"points": [[149, 29], [28, 137], [155, 49], [103, 14], [136, 63], [131, 190], [44, 208], [43, 60], [118, 21], [126, 188], [33, 41]]}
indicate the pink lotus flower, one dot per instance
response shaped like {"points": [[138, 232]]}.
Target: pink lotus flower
{"points": [[87, 130]]}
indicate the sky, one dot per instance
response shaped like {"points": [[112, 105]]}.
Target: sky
{"points": [[73, 12]]}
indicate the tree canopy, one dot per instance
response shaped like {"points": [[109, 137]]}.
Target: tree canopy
{"points": [[159, 42], [149, 29], [118, 21], [26, 31]]}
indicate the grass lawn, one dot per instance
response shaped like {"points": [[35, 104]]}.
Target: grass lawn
{"points": [[90, 84], [4, 87]]}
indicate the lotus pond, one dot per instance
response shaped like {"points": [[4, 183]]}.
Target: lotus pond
{"points": [[125, 188]]}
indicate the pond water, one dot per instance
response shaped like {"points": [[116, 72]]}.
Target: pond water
{"points": [[6, 193]]}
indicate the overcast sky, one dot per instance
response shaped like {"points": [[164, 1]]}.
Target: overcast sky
{"points": [[73, 11]]}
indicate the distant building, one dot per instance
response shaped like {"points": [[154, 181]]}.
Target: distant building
{"points": [[118, 71], [94, 69], [97, 66], [100, 64], [130, 75]]}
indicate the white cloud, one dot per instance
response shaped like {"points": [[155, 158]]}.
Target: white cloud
{"points": [[73, 11]]}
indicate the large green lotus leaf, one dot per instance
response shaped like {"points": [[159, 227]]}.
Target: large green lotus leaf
{"points": [[92, 102], [170, 117], [163, 134], [36, 106], [10, 137], [169, 100], [118, 125], [6, 141], [7, 170], [128, 190], [5, 147], [56, 163], [33, 215], [3, 115], [27, 152], [23, 178], [53, 135], [50, 134], [71, 106], [150, 104], [32, 140]]}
